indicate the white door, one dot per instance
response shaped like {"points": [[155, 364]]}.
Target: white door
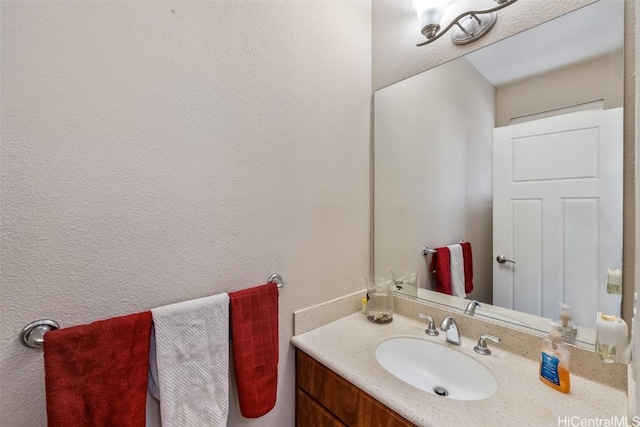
{"points": [[557, 212]]}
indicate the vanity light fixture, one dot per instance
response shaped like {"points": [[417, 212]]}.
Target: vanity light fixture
{"points": [[469, 26]]}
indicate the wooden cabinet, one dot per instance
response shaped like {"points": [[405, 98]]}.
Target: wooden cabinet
{"points": [[310, 413], [323, 398]]}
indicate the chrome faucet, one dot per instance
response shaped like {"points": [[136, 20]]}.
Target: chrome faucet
{"points": [[450, 326], [482, 348], [431, 328], [471, 307]]}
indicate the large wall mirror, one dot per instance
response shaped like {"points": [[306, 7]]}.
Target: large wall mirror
{"points": [[516, 148]]}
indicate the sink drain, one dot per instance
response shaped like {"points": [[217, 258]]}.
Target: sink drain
{"points": [[441, 391]]}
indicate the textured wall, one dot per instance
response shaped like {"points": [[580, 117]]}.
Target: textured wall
{"points": [[154, 152], [629, 220], [635, 405]]}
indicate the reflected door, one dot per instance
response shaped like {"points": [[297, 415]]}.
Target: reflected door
{"points": [[557, 212]]}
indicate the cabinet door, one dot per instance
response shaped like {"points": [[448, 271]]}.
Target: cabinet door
{"points": [[310, 414], [348, 403]]}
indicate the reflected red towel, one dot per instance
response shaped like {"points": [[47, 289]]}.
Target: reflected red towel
{"points": [[440, 265], [254, 331], [468, 267], [96, 374]]}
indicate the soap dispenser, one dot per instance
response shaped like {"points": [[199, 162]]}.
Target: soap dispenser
{"points": [[565, 325], [612, 341], [554, 362]]}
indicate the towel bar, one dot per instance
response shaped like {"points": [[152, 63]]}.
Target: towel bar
{"points": [[32, 335], [426, 250], [277, 279]]}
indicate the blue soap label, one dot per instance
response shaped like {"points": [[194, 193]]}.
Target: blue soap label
{"points": [[549, 368]]}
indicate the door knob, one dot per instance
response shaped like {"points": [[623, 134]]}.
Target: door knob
{"points": [[502, 259]]}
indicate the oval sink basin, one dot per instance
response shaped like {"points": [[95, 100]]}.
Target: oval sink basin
{"points": [[435, 368]]}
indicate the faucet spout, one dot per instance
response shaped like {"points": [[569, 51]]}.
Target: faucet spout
{"points": [[471, 308], [450, 326]]}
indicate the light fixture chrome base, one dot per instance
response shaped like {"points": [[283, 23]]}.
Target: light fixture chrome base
{"points": [[473, 27], [431, 30]]}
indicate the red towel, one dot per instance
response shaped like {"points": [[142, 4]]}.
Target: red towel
{"points": [[468, 267], [254, 331], [442, 270], [96, 374]]}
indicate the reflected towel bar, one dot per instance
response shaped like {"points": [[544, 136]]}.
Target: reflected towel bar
{"points": [[426, 250], [32, 335]]}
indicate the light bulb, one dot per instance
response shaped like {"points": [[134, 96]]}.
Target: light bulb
{"points": [[430, 14]]}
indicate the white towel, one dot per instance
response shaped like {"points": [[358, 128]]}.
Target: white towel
{"points": [[152, 375], [456, 263], [192, 351]]}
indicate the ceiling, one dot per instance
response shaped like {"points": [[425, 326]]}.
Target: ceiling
{"points": [[586, 33]]}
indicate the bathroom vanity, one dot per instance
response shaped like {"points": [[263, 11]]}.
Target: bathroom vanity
{"points": [[340, 382], [324, 398]]}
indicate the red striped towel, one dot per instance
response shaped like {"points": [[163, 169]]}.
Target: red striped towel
{"points": [[254, 332], [96, 374], [468, 267], [441, 268], [440, 265]]}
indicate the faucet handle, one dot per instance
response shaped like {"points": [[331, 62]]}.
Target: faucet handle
{"points": [[431, 327], [482, 348]]}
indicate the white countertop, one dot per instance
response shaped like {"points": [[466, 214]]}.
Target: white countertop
{"points": [[347, 346]]}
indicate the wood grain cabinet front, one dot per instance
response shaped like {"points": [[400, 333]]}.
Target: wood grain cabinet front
{"points": [[323, 398]]}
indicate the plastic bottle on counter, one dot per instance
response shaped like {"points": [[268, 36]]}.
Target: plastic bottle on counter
{"points": [[554, 362]]}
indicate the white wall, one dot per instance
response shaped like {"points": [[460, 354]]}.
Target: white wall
{"points": [[154, 152], [428, 192], [600, 78]]}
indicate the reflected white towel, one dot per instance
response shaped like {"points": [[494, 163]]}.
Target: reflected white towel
{"points": [[192, 352], [456, 262]]}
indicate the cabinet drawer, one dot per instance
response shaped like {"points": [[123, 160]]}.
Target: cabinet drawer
{"points": [[348, 403], [310, 414]]}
